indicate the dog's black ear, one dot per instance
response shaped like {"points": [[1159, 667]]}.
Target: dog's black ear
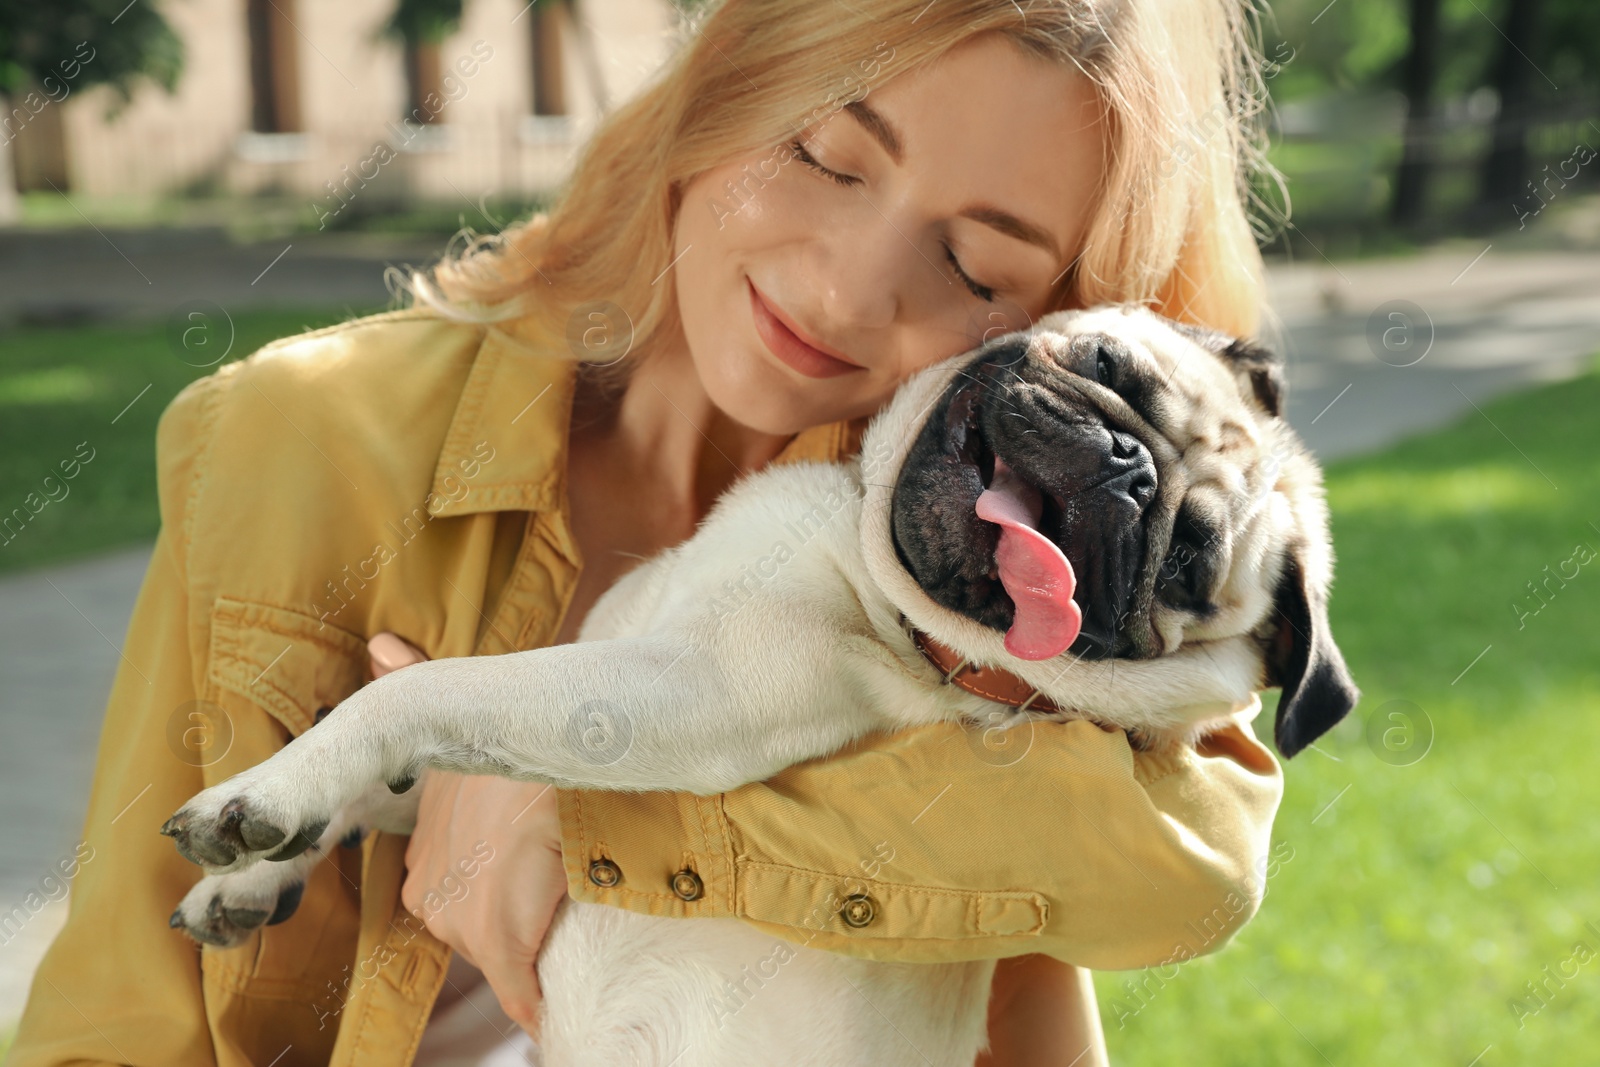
{"points": [[1258, 364], [1305, 663], [1264, 368]]}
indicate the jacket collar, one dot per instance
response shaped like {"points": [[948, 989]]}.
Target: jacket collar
{"points": [[503, 453]]}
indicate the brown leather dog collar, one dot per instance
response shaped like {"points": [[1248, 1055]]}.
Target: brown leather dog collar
{"points": [[991, 683]]}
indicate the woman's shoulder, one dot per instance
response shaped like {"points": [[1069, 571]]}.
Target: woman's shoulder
{"points": [[393, 373], [349, 421], [359, 356]]}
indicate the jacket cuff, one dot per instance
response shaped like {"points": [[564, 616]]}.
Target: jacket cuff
{"points": [[662, 853]]}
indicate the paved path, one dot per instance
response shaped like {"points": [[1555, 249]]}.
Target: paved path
{"points": [[60, 628], [78, 275], [1498, 323]]}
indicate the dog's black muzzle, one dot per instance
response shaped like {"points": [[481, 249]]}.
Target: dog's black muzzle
{"points": [[1097, 483]]}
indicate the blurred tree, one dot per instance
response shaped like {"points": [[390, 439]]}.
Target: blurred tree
{"points": [[428, 22], [1547, 68], [49, 50], [1539, 61], [420, 26], [425, 21], [129, 41], [1506, 162], [1417, 75]]}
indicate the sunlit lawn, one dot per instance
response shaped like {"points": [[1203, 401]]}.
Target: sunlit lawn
{"points": [[97, 392], [1423, 897]]}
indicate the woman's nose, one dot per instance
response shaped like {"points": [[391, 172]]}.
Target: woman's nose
{"points": [[862, 277]]}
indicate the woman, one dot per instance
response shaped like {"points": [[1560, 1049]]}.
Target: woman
{"points": [[812, 202]]}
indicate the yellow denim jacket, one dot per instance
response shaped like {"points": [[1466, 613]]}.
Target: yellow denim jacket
{"points": [[404, 472]]}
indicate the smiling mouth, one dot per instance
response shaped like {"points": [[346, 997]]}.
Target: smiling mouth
{"points": [[789, 347]]}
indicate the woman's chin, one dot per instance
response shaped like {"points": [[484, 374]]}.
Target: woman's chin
{"points": [[768, 398]]}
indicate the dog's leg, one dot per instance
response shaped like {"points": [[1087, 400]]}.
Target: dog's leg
{"points": [[635, 713]]}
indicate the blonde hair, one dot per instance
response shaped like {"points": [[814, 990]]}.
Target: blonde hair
{"points": [[1179, 79]]}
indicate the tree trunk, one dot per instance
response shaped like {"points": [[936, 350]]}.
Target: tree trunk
{"points": [[8, 205], [1421, 65], [590, 55], [1505, 168]]}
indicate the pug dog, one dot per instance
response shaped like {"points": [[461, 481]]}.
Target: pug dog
{"points": [[1103, 517]]}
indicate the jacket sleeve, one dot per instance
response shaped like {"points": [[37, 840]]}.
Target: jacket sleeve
{"points": [[926, 845], [117, 985]]}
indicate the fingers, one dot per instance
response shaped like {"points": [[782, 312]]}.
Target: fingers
{"points": [[390, 652], [516, 985], [517, 887]]}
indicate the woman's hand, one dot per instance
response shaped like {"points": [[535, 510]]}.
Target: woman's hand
{"points": [[499, 923], [1042, 1013]]}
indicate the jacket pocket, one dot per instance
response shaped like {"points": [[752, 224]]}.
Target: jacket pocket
{"points": [[285, 662], [269, 671]]}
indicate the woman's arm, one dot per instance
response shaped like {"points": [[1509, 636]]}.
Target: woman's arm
{"points": [[1078, 847], [117, 985], [1131, 859]]}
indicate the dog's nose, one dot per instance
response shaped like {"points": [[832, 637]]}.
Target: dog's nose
{"points": [[1125, 446], [1011, 350], [1131, 468]]}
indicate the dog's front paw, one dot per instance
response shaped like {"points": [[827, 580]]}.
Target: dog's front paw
{"points": [[225, 909], [231, 826]]}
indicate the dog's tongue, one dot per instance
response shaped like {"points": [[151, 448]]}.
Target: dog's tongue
{"points": [[1034, 571]]}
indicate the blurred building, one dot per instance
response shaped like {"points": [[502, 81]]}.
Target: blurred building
{"points": [[310, 98]]}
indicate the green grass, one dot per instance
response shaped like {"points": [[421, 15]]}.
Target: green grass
{"points": [[1420, 899], [62, 388]]}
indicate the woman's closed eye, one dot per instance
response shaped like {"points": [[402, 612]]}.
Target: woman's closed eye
{"points": [[982, 292], [810, 160], [979, 290]]}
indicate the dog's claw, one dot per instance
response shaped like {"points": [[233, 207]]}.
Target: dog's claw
{"points": [[203, 852], [257, 834], [299, 842], [288, 902], [245, 918]]}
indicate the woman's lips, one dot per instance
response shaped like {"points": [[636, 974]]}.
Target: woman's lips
{"points": [[782, 342]]}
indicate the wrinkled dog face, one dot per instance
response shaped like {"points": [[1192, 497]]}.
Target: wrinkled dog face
{"points": [[1155, 458]]}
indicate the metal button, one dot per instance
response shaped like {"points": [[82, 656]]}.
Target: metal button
{"points": [[687, 885], [859, 910], [604, 873]]}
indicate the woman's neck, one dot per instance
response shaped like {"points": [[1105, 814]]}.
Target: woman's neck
{"points": [[663, 435]]}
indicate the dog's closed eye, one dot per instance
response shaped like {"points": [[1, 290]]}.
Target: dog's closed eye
{"points": [[1188, 576]]}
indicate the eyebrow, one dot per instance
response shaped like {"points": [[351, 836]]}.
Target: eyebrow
{"points": [[991, 216]]}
